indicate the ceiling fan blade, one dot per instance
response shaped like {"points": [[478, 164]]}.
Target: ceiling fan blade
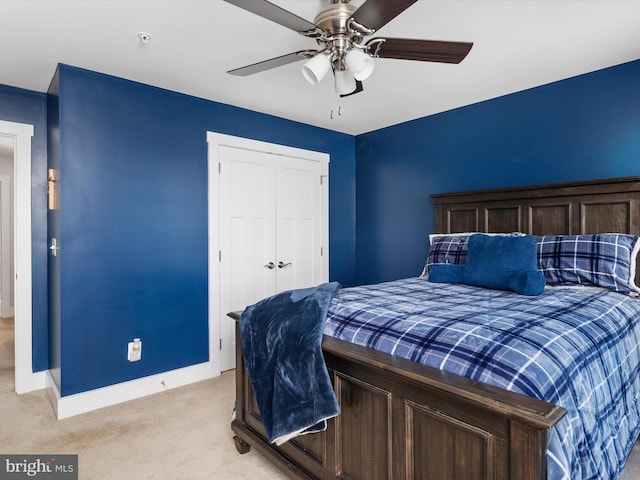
{"points": [[359, 88], [375, 14], [272, 63], [421, 50], [274, 13]]}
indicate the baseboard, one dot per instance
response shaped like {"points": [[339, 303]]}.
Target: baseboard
{"points": [[84, 402], [52, 393], [26, 382]]}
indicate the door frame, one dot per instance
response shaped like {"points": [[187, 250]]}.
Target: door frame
{"points": [[25, 379], [214, 142]]}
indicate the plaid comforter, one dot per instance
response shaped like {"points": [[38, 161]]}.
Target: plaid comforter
{"points": [[575, 347]]}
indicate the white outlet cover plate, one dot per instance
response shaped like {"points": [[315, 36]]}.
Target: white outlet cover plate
{"points": [[134, 355]]}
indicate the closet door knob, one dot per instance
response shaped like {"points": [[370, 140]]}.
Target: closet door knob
{"points": [[270, 265], [282, 265]]}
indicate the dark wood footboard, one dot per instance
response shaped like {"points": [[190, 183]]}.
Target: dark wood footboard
{"points": [[401, 420]]}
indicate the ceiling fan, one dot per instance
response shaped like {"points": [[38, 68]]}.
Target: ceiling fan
{"points": [[340, 32]]}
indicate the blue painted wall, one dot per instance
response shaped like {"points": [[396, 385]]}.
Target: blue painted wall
{"points": [[586, 127], [133, 221], [22, 106]]}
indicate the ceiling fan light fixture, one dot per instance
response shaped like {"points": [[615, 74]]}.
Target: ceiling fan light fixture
{"points": [[360, 64], [339, 31], [344, 82], [315, 69]]}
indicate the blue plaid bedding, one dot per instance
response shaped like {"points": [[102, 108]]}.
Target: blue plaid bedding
{"points": [[575, 347]]}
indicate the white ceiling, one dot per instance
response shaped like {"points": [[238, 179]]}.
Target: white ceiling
{"points": [[518, 44]]}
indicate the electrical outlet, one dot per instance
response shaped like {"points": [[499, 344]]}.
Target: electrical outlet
{"points": [[134, 351]]}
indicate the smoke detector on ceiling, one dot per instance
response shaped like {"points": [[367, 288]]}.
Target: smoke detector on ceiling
{"points": [[144, 37]]}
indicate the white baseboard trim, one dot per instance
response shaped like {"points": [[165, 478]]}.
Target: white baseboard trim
{"points": [[84, 402], [53, 393], [28, 381]]}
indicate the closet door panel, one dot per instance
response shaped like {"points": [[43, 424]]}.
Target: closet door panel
{"points": [[247, 235], [298, 223], [251, 226]]}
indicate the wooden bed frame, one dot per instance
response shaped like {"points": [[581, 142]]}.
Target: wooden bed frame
{"points": [[402, 420]]}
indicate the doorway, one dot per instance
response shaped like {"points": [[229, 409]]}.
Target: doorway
{"points": [[7, 330], [19, 136]]}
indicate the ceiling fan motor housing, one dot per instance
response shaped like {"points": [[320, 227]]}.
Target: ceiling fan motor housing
{"points": [[339, 36], [334, 19]]}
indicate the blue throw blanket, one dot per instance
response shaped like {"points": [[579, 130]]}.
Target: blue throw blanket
{"points": [[281, 343]]}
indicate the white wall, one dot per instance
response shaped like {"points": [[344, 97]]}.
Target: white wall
{"points": [[6, 223]]}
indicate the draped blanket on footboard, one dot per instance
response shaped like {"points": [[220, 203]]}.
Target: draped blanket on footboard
{"points": [[577, 347]]}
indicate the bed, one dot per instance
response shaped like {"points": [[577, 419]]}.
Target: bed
{"points": [[406, 420]]}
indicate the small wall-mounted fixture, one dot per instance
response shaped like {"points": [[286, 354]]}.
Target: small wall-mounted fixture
{"points": [[134, 350], [53, 190]]}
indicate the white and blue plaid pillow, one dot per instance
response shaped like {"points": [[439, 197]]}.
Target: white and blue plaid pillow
{"points": [[606, 260], [450, 249]]}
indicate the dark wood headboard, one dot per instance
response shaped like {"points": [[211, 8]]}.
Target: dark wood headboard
{"points": [[596, 206]]}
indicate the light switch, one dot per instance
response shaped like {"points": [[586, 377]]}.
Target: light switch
{"points": [[54, 247]]}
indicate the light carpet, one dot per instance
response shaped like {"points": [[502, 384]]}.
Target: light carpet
{"points": [[180, 434]]}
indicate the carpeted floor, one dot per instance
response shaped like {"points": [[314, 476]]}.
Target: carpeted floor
{"points": [[175, 435], [181, 434]]}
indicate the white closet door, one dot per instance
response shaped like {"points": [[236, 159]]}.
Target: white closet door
{"points": [[299, 223], [247, 237], [271, 231]]}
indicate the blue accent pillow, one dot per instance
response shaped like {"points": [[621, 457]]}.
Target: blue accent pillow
{"points": [[503, 263], [527, 282], [498, 262], [451, 248], [445, 273]]}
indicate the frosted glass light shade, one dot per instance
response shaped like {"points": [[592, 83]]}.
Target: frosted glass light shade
{"points": [[360, 64], [316, 68], [344, 82]]}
